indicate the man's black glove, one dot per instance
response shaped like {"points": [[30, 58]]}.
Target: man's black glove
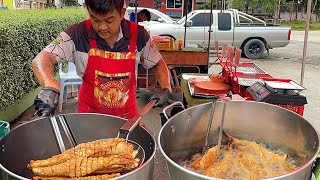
{"points": [[45, 102], [162, 96]]}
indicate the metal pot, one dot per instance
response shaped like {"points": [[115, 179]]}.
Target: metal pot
{"points": [[35, 140], [184, 134]]}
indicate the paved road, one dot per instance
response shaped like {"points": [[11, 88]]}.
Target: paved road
{"points": [[294, 51]]}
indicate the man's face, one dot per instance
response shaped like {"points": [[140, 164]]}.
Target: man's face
{"points": [[106, 25], [142, 17]]}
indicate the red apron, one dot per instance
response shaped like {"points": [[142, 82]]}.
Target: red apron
{"points": [[109, 82]]}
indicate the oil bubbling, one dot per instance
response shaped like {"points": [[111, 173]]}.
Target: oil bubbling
{"points": [[236, 171]]}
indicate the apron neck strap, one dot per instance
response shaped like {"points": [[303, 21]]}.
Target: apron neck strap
{"points": [[93, 42], [134, 35]]}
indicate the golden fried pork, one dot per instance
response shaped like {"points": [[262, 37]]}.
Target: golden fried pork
{"points": [[242, 160], [99, 177], [206, 160], [96, 159], [83, 166], [98, 148]]}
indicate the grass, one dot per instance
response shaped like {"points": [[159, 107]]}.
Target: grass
{"points": [[301, 25]]}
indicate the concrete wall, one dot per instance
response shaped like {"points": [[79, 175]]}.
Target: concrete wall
{"points": [[300, 16]]}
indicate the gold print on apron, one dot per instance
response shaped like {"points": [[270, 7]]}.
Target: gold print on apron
{"points": [[112, 90], [112, 55]]}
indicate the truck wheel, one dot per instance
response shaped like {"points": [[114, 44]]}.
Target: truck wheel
{"points": [[254, 49]]}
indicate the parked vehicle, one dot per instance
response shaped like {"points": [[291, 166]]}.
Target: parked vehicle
{"points": [[156, 16], [241, 30]]}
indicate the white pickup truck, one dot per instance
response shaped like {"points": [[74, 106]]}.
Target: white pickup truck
{"points": [[250, 34]]}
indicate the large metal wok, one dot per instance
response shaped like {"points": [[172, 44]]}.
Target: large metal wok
{"points": [[36, 140], [184, 134]]}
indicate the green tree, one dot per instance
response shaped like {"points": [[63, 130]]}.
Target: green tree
{"points": [[207, 4], [255, 5], [315, 7], [242, 5]]}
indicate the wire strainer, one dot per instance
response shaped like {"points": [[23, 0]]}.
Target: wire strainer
{"points": [[129, 127]]}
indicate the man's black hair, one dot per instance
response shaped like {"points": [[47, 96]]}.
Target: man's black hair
{"points": [[147, 13], [104, 6]]}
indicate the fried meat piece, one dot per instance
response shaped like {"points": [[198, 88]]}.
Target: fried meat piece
{"points": [[263, 161], [243, 160], [98, 177], [98, 148], [83, 166], [115, 169], [206, 160], [219, 169]]}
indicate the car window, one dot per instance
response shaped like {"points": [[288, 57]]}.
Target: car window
{"points": [[180, 21], [201, 19], [224, 21], [154, 17]]}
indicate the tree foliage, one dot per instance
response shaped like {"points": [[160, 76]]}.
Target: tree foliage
{"points": [[256, 5], [207, 4], [251, 6]]}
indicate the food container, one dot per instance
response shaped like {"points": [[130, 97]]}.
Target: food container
{"points": [[163, 43]]}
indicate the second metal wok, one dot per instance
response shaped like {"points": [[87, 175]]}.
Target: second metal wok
{"points": [[184, 134]]}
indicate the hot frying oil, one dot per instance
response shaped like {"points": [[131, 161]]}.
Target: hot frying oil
{"points": [[246, 160]]}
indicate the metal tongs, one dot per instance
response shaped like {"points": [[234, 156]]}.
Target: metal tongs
{"points": [[123, 131], [57, 133], [206, 144]]}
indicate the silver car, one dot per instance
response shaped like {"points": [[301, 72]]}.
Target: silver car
{"points": [[233, 27]]}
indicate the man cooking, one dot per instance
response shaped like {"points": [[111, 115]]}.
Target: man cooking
{"points": [[105, 49]]}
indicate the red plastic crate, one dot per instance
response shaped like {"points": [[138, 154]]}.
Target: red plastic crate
{"points": [[239, 88], [232, 73], [294, 108]]}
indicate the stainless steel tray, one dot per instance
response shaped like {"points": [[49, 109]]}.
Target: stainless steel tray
{"points": [[249, 68], [248, 81], [284, 85]]}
